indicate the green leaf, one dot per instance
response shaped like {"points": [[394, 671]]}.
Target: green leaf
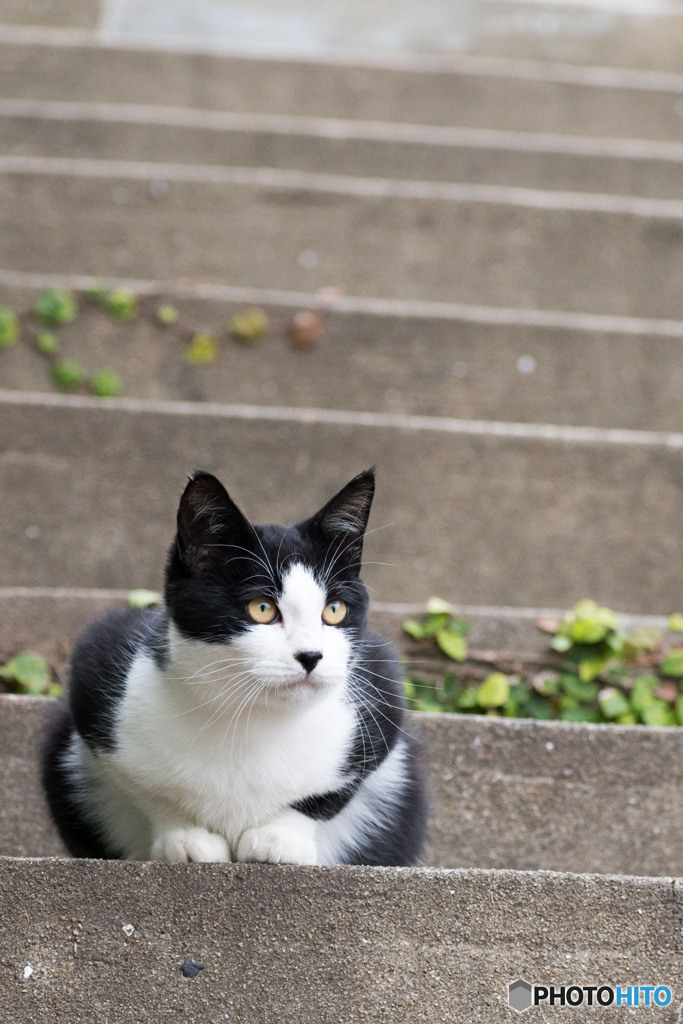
{"points": [[642, 694], [67, 374], [143, 598], [201, 350], [28, 672], [414, 628], [434, 624], [613, 702], [9, 327], [106, 384], [546, 683], [96, 292], [250, 326], [673, 664], [580, 714], [586, 631], [561, 643], [659, 713], [590, 667], [675, 623], [539, 707], [468, 701], [56, 306], [452, 644], [122, 304], [678, 710], [48, 343], [494, 691], [519, 694], [437, 606], [167, 316], [580, 690]]}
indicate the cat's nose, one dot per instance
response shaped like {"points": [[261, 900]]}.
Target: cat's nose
{"points": [[308, 659]]}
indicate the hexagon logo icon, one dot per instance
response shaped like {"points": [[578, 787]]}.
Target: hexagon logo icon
{"points": [[520, 995]]}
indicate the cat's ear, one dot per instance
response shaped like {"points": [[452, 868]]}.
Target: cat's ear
{"points": [[344, 519], [208, 522]]}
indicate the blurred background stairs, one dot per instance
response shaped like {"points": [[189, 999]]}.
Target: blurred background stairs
{"points": [[490, 197], [505, 236]]}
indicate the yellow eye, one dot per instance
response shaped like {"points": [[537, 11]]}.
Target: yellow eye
{"points": [[334, 613], [262, 610]]}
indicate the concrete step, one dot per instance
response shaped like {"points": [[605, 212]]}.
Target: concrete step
{"points": [[454, 90], [392, 356], [481, 513], [505, 793], [293, 230], [96, 941], [105, 131]]}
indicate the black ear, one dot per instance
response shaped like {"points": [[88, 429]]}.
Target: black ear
{"points": [[208, 522], [344, 519]]}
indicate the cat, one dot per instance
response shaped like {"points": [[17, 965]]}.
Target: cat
{"points": [[250, 716]]}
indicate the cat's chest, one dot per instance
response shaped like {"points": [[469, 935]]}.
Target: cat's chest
{"points": [[233, 774]]}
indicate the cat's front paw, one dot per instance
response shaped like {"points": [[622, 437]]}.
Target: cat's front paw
{"points": [[184, 845], [277, 843]]}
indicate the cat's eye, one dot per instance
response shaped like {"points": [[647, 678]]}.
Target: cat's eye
{"points": [[262, 610], [334, 613]]}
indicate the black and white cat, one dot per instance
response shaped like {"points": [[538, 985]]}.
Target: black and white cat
{"points": [[249, 717]]}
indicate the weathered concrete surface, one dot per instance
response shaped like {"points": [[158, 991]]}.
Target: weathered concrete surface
{"points": [[58, 13], [504, 793], [321, 946], [524, 160], [455, 90], [406, 363], [268, 229], [478, 515]]}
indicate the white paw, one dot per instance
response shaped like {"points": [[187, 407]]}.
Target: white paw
{"points": [[277, 844], [189, 844]]}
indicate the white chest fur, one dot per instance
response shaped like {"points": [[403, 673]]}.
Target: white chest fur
{"points": [[227, 735]]}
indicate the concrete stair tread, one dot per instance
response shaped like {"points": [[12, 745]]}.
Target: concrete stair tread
{"points": [[461, 90], [361, 149], [572, 251], [323, 944], [550, 513], [397, 357]]}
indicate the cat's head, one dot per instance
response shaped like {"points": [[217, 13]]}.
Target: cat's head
{"points": [[287, 602]]}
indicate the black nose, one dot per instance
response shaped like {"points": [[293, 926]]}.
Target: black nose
{"points": [[308, 659]]}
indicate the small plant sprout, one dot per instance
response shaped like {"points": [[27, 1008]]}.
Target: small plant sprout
{"points": [[9, 327], [56, 306], [143, 598], [201, 350], [48, 343], [167, 316], [68, 374], [122, 304], [106, 384], [249, 326], [29, 674]]}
